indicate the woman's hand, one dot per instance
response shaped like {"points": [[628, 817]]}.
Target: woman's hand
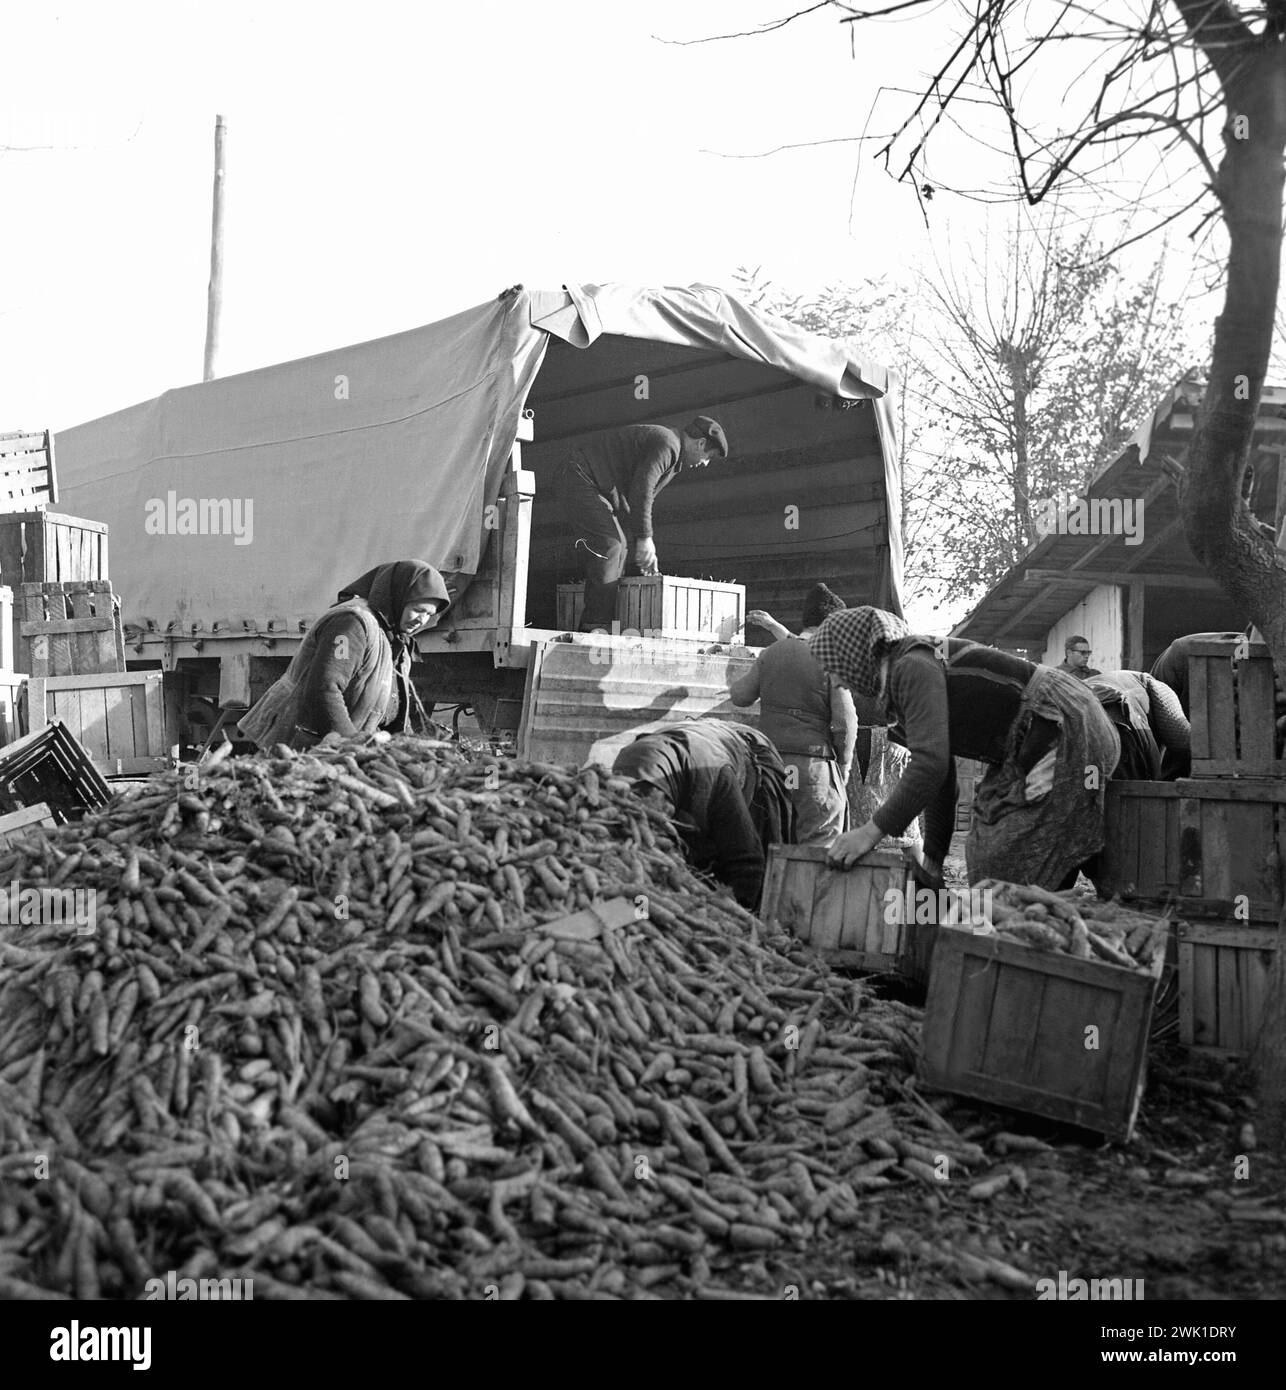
{"points": [[760, 617], [847, 849]]}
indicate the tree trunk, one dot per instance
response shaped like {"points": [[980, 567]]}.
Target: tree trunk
{"points": [[1017, 365], [1216, 522]]}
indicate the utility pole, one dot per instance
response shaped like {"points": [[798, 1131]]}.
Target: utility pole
{"points": [[215, 303]]}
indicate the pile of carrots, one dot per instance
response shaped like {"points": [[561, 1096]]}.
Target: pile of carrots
{"points": [[1071, 924], [383, 1023]]}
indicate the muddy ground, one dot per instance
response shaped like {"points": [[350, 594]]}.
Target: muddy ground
{"points": [[1092, 1209], [1192, 1205]]}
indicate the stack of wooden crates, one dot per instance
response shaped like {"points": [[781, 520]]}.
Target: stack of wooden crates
{"points": [[1213, 845], [62, 652]]}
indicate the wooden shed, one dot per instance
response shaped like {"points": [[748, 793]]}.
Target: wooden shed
{"points": [[1130, 590]]}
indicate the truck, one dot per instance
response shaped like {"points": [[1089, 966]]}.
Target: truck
{"points": [[238, 507]]}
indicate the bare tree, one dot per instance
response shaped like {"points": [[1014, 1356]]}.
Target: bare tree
{"points": [[1017, 375], [885, 319], [1039, 367], [1185, 99]]}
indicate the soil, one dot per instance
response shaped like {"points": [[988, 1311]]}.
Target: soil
{"points": [[1192, 1205], [1092, 1209]]}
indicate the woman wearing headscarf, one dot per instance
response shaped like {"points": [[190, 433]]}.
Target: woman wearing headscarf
{"points": [[352, 672], [1049, 747], [725, 788]]}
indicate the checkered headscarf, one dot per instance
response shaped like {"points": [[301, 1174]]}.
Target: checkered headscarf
{"points": [[852, 645]]}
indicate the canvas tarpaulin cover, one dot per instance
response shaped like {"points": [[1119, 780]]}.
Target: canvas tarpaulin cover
{"points": [[388, 450]]}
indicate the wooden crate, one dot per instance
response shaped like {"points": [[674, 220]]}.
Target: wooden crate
{"points": [[49, 548], [70, 629], [17, 825], [52, 767], [1231, 699], [1206, 845], [1223, 984], [11, 688], [842, 913], [118, 717], [1007, 1025], [28, 472], [706, 610]]}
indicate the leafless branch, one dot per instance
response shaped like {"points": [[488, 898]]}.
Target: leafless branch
{"points": [[754, 33]]}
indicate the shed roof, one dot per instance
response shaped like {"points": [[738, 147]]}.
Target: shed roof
{"points": [[1062, 567]]}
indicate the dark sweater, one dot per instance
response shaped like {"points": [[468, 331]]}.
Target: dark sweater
{"points": [[801, 709], [961, 708], [629, 467], [1154, 732], [344, 690], [707, 769], [1172, 665]]}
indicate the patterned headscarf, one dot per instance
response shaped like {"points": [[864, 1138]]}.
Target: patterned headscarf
{"points": [[852, 645]]}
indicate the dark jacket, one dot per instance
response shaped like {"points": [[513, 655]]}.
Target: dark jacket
{"points": [[629, 467], [1080, 672], [729, 791], [1155, 737], [1172, 665], [961, 708], [802, 710], [351, 673]]}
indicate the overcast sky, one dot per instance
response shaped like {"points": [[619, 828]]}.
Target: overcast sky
{"points": [[391, 163]]}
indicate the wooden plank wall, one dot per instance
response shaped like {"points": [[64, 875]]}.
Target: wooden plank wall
{"points": [[1100, 617], [118, 717]]}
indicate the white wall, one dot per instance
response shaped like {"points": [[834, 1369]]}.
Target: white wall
{"points": [[1100, 618]]}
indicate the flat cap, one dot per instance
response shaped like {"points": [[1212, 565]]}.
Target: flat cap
{"points": [[703, 427]]}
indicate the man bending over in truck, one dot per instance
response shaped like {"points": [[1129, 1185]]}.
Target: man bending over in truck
{"points": [[611, 483]]}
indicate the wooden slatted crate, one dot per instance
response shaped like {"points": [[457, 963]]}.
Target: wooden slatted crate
{"points": [[18, 825], [1009, 1025], [843, 913], [28, 471], [49, 548], [1223, 984], [1207, 845], [52, 767], [705, 610], [11, 688], [70, 629], [118, 717], [1232, 703]]}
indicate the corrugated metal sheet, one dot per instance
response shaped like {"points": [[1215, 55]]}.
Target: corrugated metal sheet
{"points": [[584, 697]]}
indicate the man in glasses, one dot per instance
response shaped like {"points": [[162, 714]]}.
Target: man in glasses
{"points": [[610, 484], [1076, 659]]}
